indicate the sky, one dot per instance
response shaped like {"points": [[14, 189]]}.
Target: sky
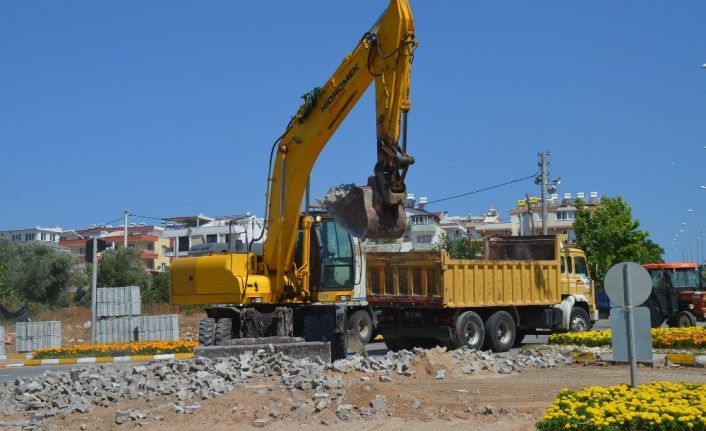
{"points": [[170, 108]]}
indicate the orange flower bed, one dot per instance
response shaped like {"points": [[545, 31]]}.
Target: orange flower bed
{"points": [[117, 349]]}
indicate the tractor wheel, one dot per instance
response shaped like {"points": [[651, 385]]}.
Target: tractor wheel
{"points": [[686, 319]]}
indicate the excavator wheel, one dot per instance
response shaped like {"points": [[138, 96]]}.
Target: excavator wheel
{"points": [[207, 331]]}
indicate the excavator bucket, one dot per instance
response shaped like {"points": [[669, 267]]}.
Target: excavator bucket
{"points": [[361, 211]]}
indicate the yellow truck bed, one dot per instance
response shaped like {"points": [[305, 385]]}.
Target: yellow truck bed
{"points": [[423, 279]]}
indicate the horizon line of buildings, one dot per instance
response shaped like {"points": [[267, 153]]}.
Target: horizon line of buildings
{"points": [[176, 236]]}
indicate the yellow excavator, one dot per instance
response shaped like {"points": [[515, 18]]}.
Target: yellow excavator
{"points": [[299, 283]]}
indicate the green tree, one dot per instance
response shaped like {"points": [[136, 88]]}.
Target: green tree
{"points": [[35, 272], [116, 268], [122, 267], [464, 248], [608, 234], [158, 290]]}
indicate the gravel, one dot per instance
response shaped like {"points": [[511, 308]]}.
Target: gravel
{"points": [[189, 382]]}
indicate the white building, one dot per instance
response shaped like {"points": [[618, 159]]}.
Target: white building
{"points": [[187, 232], [526, 218], [44, 235]]}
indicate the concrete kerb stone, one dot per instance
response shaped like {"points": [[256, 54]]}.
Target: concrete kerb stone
{"points": [[658, 359], [99, 360]]}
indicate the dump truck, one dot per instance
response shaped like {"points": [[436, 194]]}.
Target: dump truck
{"points": [[525, 285]]}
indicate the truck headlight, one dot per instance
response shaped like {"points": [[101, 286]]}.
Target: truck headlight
{"points": [[343, 298], [256, 300]]}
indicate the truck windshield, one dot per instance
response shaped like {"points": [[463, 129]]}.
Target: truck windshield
{"points": [[580, 265], [685, 279]]}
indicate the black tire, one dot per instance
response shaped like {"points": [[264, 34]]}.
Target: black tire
{"points": [[500, 332], [207, 331], [362, 323], [339, 347], [320, 327], [519, 338], [579, 321], [224, 329], [469, 331], [656, 318], [686, 319]]}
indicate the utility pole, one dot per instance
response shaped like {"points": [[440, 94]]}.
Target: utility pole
{"points": [[543, 163], [125, 229], [94, 284]]}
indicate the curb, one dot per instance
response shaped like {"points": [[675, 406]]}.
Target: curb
{"points": [[16, 356], [658, 359], [99, 360]]}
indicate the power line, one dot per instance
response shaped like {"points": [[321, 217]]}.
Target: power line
{"points": [[484, 189], [147, 217], [112, 221]]}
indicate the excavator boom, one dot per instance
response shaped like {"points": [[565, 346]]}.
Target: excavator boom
{"points": [[384, 56]]}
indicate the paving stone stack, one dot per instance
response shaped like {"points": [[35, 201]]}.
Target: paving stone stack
{"points": [[32, 336], [118, 301], [120, 321], [159, 328]]}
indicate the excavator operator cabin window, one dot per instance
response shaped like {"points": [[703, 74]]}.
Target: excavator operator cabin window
{"points": [[563, 265], [338, 257]]}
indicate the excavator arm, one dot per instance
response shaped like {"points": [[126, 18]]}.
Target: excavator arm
{"points": [[383, 55]]}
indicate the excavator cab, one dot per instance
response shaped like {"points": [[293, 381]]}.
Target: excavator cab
{"points": [[331, 260]]}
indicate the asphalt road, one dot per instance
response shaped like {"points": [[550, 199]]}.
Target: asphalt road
{"points": [[373, 349]]}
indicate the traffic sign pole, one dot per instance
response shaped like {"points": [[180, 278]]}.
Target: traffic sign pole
{"points": [[629, 327]]}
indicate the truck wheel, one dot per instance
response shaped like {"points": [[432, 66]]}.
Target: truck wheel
{"points": [[469, 331], [685, 319], [499, 331], [579, 321], [361, 323], [519, 337], [223, 331], [207, 331]]}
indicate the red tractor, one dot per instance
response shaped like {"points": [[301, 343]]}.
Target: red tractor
{"points": [[678, 295]]}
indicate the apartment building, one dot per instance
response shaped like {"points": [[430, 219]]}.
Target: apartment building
{"points": [[44, 235], [149, 240]]}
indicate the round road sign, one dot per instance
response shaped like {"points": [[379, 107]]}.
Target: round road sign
{"points": [[640, 284]]}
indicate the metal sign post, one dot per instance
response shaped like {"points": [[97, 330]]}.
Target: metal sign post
{"points": [[628, 284], [629, 326]]}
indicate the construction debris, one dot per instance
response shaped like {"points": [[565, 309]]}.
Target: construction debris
{"points": [[190, 382]]}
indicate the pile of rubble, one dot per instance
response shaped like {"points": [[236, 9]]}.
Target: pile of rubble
{"points": [[187, 383]]}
